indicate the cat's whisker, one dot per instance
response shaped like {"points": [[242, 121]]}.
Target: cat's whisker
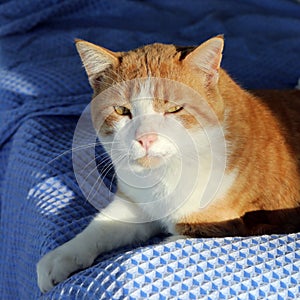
{"points": [[103, 175], [75, 149], [102, 178], [112, 180], [105, 160], [113, 177], [102, 163], [97, 180], [116, 161], [95, 192], [107, 143], [118, 150]]}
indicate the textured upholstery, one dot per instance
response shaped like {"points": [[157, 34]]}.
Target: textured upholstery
{"points": [[43, 90]]}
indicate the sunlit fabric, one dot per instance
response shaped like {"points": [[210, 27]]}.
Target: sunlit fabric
{"points": [[44, 89]]}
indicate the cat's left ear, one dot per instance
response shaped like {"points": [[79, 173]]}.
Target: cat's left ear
{"points": [[96, 59], [207, 57]]}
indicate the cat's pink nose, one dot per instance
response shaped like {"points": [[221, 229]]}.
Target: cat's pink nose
{"points": [[147, 139]]}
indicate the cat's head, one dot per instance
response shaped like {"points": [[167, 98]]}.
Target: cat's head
{"points": [[149, 101]]}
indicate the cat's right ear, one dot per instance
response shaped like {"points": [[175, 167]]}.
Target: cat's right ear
{"points": [[96, 59]]}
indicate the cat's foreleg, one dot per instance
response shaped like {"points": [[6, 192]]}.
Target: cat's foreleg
{"points": [[117, 225]]}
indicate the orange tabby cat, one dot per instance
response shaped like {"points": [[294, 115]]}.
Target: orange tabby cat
{"points": [[264, 134], [259, 188]]}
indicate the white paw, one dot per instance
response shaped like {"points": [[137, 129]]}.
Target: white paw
{"points": [[58, 264]]}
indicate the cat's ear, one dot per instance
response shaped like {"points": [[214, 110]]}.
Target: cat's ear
{"points": [[207, 57], [96, 59]]}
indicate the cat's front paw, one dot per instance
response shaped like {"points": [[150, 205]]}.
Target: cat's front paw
{"points": [[58, 264]]}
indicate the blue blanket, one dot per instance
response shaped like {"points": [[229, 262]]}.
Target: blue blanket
{"points": [[43, 90]]}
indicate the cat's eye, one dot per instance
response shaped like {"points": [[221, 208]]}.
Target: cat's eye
{"points": [[174, 109], [122, 110]]}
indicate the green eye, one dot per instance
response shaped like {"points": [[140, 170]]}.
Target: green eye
{"points": [[122, 110], [174, 109]]}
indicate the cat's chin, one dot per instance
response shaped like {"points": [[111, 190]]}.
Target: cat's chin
{"points": [[150, 162]]}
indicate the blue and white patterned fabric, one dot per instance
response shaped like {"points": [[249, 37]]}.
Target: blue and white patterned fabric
{"points": [[43, 90]]}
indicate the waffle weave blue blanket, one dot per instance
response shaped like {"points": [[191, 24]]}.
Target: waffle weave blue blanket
{"points": [[43, 90]]}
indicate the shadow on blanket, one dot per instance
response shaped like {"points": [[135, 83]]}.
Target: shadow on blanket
{"points": [[258, 222]]}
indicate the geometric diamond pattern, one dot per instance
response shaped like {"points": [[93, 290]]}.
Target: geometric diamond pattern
{"points": [[225, 268]]}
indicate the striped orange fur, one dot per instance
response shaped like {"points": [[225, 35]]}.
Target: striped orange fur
{"points": [[263, 131]]}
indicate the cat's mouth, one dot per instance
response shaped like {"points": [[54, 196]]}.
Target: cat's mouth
{"points": [[149, 162]]}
